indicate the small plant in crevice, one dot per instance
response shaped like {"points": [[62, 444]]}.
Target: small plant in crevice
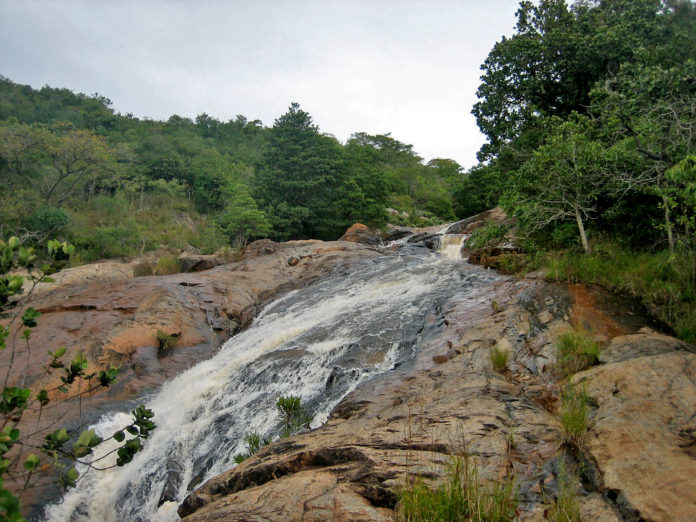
{"points": [[254, 443], [576, 351], [499, 358], [293, 416], [462, 497], [575, 410], [566, 505], [166, 341]]}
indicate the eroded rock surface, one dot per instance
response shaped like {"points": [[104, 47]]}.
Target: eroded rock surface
{"points": [[450, 401]]}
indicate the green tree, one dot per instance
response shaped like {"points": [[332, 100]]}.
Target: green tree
{"points": [[650, 112], [242, 218], [563, 180], [298, 183]]}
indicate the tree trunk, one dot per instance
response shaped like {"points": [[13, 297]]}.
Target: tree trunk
{"points": [[581, 228], [668, 224]]}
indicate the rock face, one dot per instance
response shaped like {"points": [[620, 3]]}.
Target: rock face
{"points": [[468, 225], [639, 459], [643, 435], [359, 233], [111, 317]]}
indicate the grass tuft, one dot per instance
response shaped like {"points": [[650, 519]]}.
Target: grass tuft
{"points": [[576, 351], [499, 358], [566, 506], [462, 497], [574, 413], [166, 341]]}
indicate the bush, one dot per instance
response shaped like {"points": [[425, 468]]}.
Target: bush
{"points": [[254, 443], [499, 358], [462, 497], [168, 265], [166, 341], [47, 220], [487, 235], [293, 416], [576, 351]]}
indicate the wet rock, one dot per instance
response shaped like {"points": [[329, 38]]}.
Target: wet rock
{"points": [[427, 239], [293, 261], [397, 233]]}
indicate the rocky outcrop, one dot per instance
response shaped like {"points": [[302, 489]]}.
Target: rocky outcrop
{"points": [[112, 318], [468, 225], [359, 233], [449, 401]]}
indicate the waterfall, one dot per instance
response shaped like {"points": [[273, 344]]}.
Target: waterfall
{"points": [[318, 342]]}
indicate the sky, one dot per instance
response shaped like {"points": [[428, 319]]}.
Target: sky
{"points": [[409, 67]]}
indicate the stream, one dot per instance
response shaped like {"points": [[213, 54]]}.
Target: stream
{"points": [[319, 342]]}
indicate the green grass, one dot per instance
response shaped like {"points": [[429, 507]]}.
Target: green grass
{"points": [[664, 281], [566, 506], [499, 358], [576, 351], [574, 414], [462, 497]]}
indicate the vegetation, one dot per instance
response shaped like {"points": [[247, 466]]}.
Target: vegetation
{"points": [[576, 351], [499, 358], [566, 505], [293, 416], [590, 116], [462, 497], [166, 341], [574, 413], [117, 186], [254, 443], [46, 448], [486, 235]]}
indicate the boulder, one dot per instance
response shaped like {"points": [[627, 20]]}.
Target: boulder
{"points": [[359, 233]]}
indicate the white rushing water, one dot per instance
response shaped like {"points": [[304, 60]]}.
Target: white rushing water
{"points": [[319, 342]]}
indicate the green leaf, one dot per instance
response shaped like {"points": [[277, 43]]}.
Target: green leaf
{"points": [[85, 437], [119, 436], [71, 477], [31, 462], [30, 316]]}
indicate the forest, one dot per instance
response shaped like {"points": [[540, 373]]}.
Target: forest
{"points": [[115, 185]]}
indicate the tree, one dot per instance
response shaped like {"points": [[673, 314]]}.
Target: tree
{"points": [[562, 180], [298, 183], [77, 157], [552, 62], [241, 218], [650, 112]]}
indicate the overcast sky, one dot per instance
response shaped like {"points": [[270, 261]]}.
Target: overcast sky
{"points": [[409, 67]]}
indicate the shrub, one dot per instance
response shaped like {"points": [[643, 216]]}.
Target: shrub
{"points": [[576, 351], [486, 235], [168, 265], [462, 497], [293, 416], [166, 341], [254, 443], [499, 358], [574, 414]]}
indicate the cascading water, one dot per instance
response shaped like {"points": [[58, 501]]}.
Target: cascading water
{"points": [[319, 342]]}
